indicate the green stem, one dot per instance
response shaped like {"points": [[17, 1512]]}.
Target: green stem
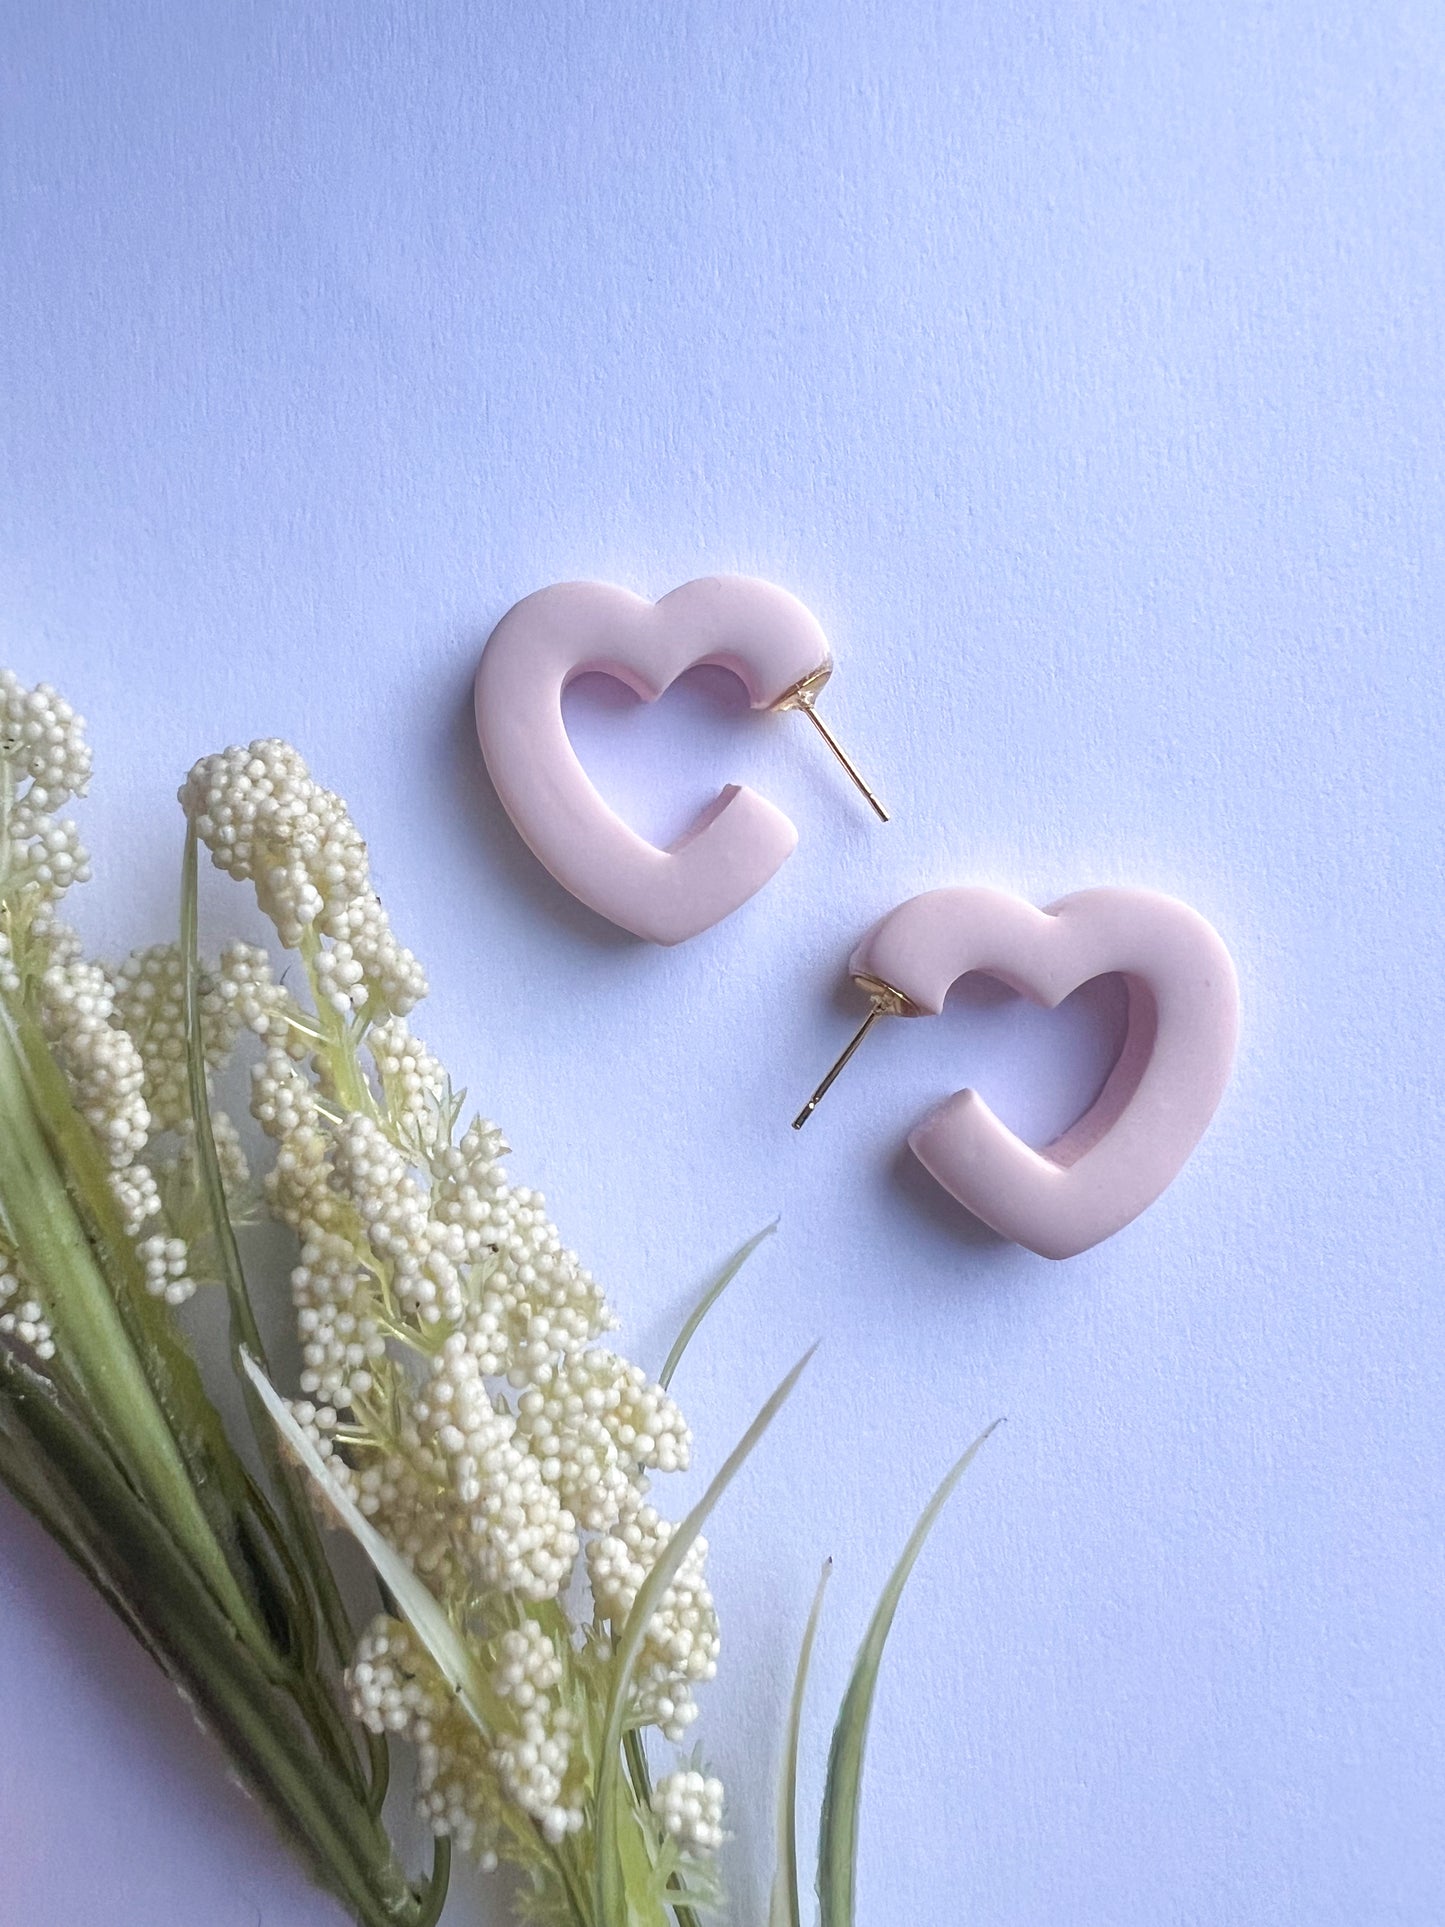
{"points": [[637, 1767], [433, 1896], [58, 1470], [339, 1048]]}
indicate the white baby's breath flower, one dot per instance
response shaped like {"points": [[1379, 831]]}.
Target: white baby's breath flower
{"points": [[149, 1004], [535, 1766], [43, 739], [416, 1089], [690, 1807], [76, 1007], [594, 1421], [521, 1537], [167, 1268], [396, 1689], [22, 1316], [681, 1645], [451, 1375], [527, 1665], [265, 819], [44, 761]]}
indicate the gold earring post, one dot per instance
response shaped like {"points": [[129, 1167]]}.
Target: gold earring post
{"points": [[831, 740], [887, 1002], [804, 697]]}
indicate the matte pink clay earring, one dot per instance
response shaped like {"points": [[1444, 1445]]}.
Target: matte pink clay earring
{"points": [[1183, 1014], [764, 635]]}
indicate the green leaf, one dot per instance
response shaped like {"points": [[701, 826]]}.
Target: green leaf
{"points": [[709, 1298], [838, 1828], [611, 1886], [416, 1603], [222, 1485], [94, 1345], [123, 1546], [784, 1909]]}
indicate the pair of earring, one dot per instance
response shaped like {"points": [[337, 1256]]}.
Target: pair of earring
{"points": [[1182, 1014]]}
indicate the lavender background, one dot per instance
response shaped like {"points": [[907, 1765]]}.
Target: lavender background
{"points": [[1081, 367]]}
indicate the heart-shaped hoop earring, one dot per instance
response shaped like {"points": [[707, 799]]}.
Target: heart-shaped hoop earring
{"points": [[766, 637], [1183, 1020]]}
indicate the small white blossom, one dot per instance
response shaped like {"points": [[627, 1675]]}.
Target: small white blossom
{"points": [[167, 1269], [396, 1221], [535, 1765], [264, 818], [593, 1422], [395, 1688], [44, 761], [22, 1317], [136, 1192], [690, 1807], [149, 1005], [104, 1068], [522, 1538], [527, 1665], [413, 1083], [681, 1645], [42, 738]]}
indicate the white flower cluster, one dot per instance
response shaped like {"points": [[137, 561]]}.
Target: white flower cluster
{"points": [[264, 819], [532, 1759], [522, 1538], [167, 1268], [536, 1763], [682, 1644], [475, 1272], [149, 1004], [118, 1037], [595, 1421], [690, 1807], [21, 1316], [43, 741], [396, 1689], [44, 761], [75, 1006], [451, 1374]]}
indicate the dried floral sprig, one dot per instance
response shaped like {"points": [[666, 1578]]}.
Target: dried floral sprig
{"points": [[458, 1410], [453, 1383], [106, 1432]]}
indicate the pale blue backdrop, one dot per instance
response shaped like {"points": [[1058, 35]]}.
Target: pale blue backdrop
{"points": [[1082, 367]]}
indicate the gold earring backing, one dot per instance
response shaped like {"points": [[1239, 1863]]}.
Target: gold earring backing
{"points": [[803, 695], [885, 1002]]}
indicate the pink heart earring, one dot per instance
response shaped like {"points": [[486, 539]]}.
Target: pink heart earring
{"points": [[763, 634], [1183, 1014]]}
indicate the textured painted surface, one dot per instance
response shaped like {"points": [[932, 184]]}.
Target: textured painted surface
{"points": [[1081, 367]]}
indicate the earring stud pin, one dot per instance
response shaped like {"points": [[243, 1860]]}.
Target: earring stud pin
{"points": [[886, 1002], [803, 696]]}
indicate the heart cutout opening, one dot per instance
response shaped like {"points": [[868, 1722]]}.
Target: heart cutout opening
{"points": [[1057, 1078], [663, 766]]}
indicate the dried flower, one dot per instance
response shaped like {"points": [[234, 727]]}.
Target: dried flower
{"points": [[451, 1375], [457, 1409]]}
